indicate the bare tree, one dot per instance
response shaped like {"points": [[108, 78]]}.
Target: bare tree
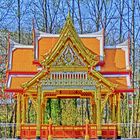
{"points": [[80, 17]]}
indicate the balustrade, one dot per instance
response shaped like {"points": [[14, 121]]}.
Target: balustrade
{"points": [[68, 75], [69, 80]]}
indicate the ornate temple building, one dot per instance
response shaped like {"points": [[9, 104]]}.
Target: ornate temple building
{"points": [[68, 65]]}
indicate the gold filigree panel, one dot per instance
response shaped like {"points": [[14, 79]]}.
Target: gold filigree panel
{"points": [[69, 57]]}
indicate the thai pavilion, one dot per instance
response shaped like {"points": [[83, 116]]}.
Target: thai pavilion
{"points": [[68, 65]]}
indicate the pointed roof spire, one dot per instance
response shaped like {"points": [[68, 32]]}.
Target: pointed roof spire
{"points": [[69, 16], [68, 24], [69, 19], [69, 32]]}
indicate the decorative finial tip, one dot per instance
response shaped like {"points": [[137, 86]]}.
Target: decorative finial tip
{"points": [[69, 13], [69, 19], [69, 16]]}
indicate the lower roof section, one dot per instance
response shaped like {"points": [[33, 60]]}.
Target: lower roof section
{"points": [[16, 82], [120, 81], [115, 60]]}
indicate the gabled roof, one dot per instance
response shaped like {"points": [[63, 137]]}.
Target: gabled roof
{"points": [[115, 69], [46, 43], [69, 32]]}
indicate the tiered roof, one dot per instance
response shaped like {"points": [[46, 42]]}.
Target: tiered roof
{"points": [[24, 62]]}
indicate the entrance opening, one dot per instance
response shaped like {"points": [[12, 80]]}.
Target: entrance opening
{"points": [[68, 112]]}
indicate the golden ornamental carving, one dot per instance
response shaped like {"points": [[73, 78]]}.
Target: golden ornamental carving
{"points": [[68, 58]]}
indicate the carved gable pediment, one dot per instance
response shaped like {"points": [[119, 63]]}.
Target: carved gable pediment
{"points": [[68, 58], [70, 50], [61, 64]]}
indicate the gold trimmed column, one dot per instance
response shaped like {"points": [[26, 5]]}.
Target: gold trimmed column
{"points": [[119, 116], [93, 109], [114, 109], [23, 110], [26, 108], [44, 104], [94, 113], [18, 121], [38, 122], [98, 112], [45, 113], [42, 113], [42, 108], [87, 130], [50, 129]]}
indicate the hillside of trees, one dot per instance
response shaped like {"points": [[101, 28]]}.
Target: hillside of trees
{"points": [[120, 20]]}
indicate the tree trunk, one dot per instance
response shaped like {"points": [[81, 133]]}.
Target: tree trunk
{"points": [[19, 20], [73, 10], [133, 64], [45, 15], [80, 17]]}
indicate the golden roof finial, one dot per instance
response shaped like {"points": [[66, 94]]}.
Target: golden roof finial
{"points": [[69, 19], [68, 16]]}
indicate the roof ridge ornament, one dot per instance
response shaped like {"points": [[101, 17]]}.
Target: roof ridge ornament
{"points": [[69, 16]]}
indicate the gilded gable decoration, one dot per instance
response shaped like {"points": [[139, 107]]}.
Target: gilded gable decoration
{"points": [[68, 58]]}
